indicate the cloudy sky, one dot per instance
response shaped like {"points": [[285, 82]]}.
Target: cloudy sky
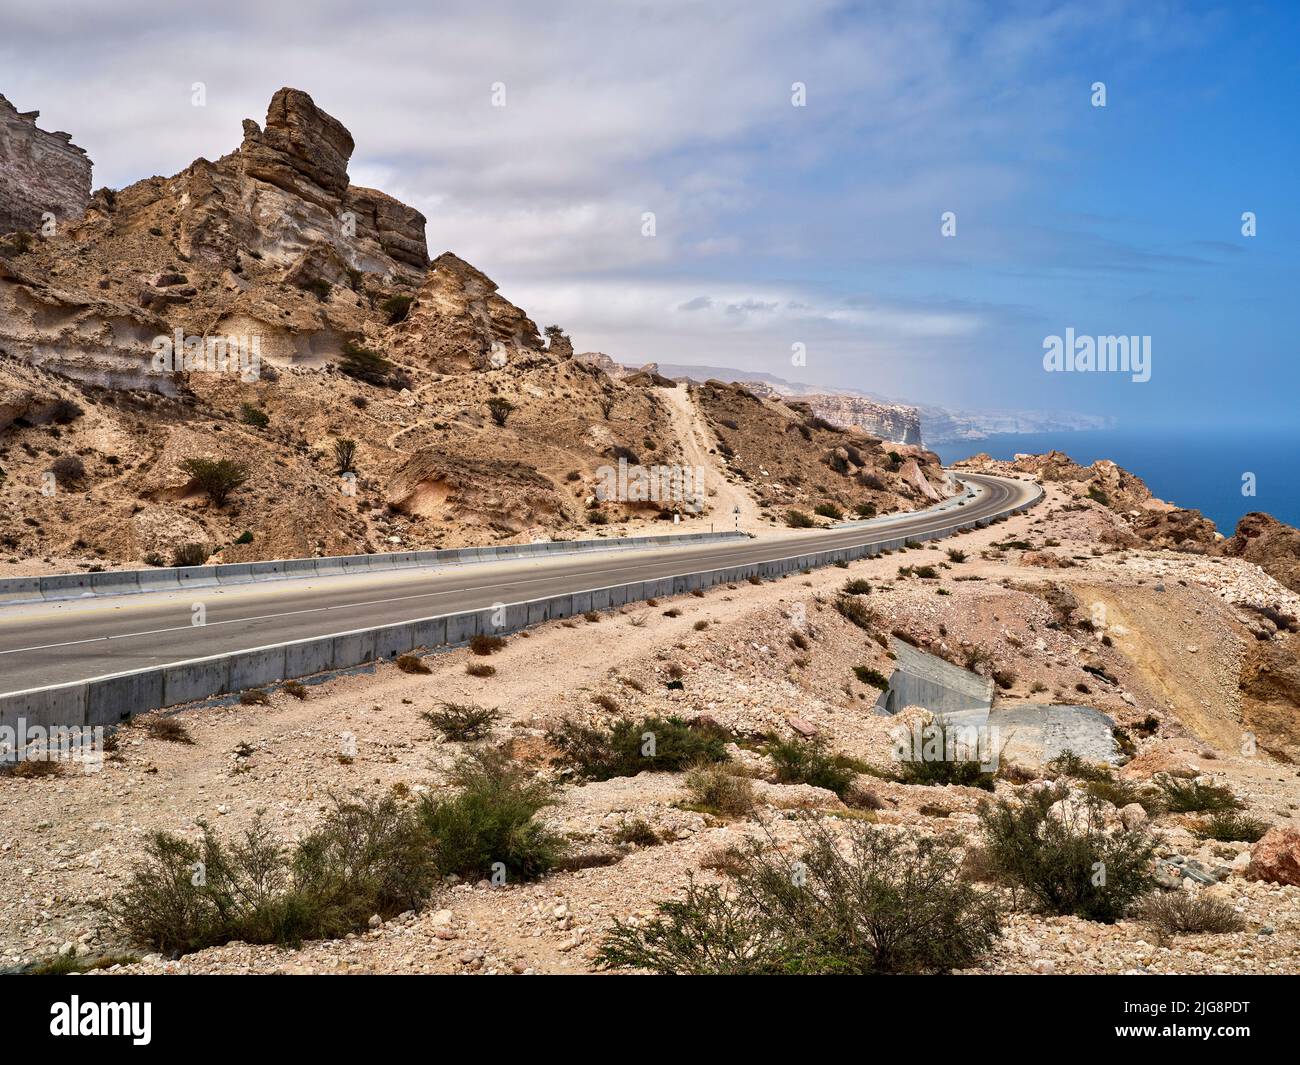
{"points": [[775, 224]]}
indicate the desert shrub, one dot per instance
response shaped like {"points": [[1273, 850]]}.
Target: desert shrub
{"points": [[254, 416], [364, 858], [295, 688], [638, 831], [870, 676], [1069, 764], [31, 768], [1004, 678], [1228, 827], [809, 762], [500, 409], [216, 478], [189, 554], [345, 456], [888, 905], [797, 519], [362, 364], [954, 555], [490, 820], [68, 469], [244, 537], [1191, 796], [939, 772], [1179, 913], [1121, 793], [397, 308], [719, 791], [480, 669], [867, 510], [254, 697], [169, 729], [483, 644], [629, 747], [412, 664], [1066, 865], [828, 510], [65, 412], [854, 610], [856, 586]]}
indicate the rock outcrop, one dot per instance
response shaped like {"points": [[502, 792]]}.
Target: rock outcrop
{"points": [[269, 242], [460, 322], [893, 422], [1270, 544], [40, 173], [1275, 859]]}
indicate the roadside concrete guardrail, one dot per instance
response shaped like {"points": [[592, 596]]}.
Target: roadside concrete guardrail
{"points": [[59, 587], [109, 700]]}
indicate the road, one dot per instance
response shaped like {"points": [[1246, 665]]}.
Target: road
{"points": [[53, 643]]}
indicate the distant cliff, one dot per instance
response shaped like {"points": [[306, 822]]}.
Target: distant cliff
{"points": [[890, 421]]}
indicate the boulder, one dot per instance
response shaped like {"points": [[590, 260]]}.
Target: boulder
{"points": [[1276, 857]]}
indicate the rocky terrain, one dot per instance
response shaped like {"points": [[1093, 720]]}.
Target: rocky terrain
{"points": [[1168, 644], [263, 311]]}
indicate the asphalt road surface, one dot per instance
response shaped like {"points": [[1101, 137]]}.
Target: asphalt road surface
{"points": [[53, 643]]}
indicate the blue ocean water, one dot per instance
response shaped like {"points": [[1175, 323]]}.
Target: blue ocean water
{"points": [[1200, 470]]}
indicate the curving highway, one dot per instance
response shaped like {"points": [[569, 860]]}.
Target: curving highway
{"points": [[52, 643]]}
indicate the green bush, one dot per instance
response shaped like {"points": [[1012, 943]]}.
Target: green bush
{"points": [[365, 858], [939, 772], [797, 519], [500, 409], [854, 610], [870, 676], [809, 762], [718, 791], [397, 308], [888, 905], [828, 510], [1066, 866], [217, 478], [1191, 796], [628, 747], [856, 586], [189, 554], [362, 364], [491, 820], [254, 416], [1228, 827]]}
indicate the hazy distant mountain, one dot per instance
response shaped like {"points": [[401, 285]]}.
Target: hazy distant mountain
{"points": [[939, 425]]}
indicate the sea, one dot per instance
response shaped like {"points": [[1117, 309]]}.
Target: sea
{"points": [[1205, 471]]}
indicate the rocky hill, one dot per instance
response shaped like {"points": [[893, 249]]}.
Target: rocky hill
{"points": [[263, 312]]}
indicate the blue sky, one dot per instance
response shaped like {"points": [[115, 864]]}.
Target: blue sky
{"points": [[775, 224]]}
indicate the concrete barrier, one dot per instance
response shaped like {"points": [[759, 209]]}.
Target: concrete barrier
{"points": [[256, 669], [113, 700], [166, 579], [108, 700]]}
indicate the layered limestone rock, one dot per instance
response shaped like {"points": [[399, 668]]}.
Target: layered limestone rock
{"points": [[269, 245], [40, 173], [893, 422], [459, 322]]}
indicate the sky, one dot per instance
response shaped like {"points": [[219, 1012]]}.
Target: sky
{"points": [[798, 160]]}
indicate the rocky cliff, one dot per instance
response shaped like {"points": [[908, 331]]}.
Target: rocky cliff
{"points": [[40, 173], [893, 422], [270, 243]]}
